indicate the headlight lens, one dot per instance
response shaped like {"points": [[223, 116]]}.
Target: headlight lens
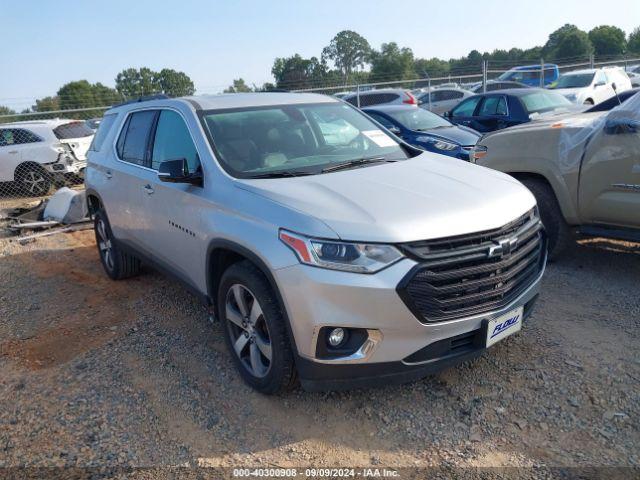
{"points": [[439, 144], [345, 256], [477, 152]]}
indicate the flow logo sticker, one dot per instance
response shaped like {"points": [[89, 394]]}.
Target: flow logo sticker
{"points": [[501, 327]]}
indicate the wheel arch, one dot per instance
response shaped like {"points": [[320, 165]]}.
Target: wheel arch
{"points": [[559, 191], [94, 201], [221, 254]]}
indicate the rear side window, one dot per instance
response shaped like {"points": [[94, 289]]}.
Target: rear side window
{"points": [[103, 130], [133, 143], [172, 141], [17, 136], [72, 130], [494, 106], [466, 108]]}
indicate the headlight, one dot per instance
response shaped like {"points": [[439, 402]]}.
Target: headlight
{"points": [[439, 144], [477, 152], [346, 256]]}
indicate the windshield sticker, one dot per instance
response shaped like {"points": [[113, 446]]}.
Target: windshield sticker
{"points": [[380, 138]]}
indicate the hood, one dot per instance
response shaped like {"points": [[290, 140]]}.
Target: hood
{"points": [[568, 91], [461, 135], [429, 196]]}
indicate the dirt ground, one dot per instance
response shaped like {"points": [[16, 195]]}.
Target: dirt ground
{"points": [[97, 373]]}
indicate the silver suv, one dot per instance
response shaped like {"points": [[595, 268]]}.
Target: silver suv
{"points": [[331, 250]]}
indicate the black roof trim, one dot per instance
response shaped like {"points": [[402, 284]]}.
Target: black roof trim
{"points": [[147, 98]]}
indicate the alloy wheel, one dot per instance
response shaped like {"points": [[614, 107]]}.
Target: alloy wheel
{"points": [[104, 244], [248, 330], [35, 182]]}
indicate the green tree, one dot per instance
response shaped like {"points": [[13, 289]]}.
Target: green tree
{"points": [[432, 67], [392, 63], [239, 86], [566, 42], [608, 40], [81, 94], [133, 82], [633, 44], [174, 83], [46, 104], [348, 50], [6, 110], [296, 72]]}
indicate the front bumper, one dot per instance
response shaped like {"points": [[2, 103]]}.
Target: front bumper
{"points": [[316, 298]]}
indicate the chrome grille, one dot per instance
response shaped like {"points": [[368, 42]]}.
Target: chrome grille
{"points": [[473, 274]]}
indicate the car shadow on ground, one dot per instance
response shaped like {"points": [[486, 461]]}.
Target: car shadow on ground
{"points": [[151, 350]]}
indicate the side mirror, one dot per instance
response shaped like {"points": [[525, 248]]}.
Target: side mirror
{"points": [[394, 130], [615, 87], [447, 114], [177, 171], [620, 126]]}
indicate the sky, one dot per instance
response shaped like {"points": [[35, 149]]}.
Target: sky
{"points": [[48, 43]]}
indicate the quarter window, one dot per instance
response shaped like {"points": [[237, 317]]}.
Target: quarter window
{"points": [[133, 143], [17, 136], [172, 141], [103, 130]]}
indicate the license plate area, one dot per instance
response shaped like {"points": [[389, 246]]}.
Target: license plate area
{"points": [[501, 327]]}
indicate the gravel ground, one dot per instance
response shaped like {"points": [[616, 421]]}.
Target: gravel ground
{"points": [[95, 373]]}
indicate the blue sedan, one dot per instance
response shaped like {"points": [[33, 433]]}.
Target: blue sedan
{"points": [[425, 130]]}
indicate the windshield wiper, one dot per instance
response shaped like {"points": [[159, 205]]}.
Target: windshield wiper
{"points": [[354, 163], [285, 173]]}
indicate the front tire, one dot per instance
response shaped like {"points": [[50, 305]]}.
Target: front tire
{"points": [[116, 263], [255, 329], [559, 233]]}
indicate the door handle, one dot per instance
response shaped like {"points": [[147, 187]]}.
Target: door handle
{"points": [[108, 174], [148, 189], [13, 152]]}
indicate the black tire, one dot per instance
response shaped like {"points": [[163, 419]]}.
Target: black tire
{"points": [[116, 263], [280, 374], [33, 180], [559, 233]]}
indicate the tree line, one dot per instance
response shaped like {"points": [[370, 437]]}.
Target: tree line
{"points": [[348, 59]]}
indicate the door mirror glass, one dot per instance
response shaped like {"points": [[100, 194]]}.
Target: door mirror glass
{"points": [[177, 171]]}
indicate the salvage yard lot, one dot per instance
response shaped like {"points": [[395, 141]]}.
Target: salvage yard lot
{"points": [[95, 372]]}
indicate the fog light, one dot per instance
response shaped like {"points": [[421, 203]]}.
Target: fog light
{"points": [[336, 336]]}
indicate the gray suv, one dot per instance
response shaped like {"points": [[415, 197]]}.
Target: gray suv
{"points": [[332, 251]]}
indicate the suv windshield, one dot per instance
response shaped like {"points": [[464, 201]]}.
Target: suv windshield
{"points": [[295, 139], [417, 119], [540, 102], [72, 130], [576, 80]]}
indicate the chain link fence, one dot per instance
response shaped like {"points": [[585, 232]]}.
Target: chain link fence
{"points": [[45, 150]]}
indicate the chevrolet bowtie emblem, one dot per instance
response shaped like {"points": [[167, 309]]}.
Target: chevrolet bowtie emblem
{"points": [[503, 248]]}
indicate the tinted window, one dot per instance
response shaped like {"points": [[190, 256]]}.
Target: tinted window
{"points": [[290, 139], [541, 101], [369, 99], [466, 108], [103, 130], [17, 136], [173, 141], [494, 106], [380, 119], [133, 141], [72, 130]]}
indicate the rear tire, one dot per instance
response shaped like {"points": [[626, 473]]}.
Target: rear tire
{"points": [[116, 263], [255, 330], [33, 180], [559, 233]]}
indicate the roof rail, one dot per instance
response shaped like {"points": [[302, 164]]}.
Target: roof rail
{"points": [[146, 98]]}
